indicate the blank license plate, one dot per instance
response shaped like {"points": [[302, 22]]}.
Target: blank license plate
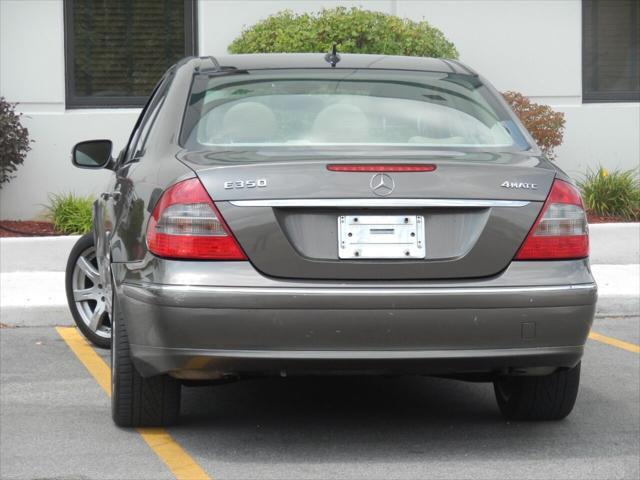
{"points": [[381, 236]]}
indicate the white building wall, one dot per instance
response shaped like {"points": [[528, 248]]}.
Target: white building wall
{"points": [[533, 46], [32, 72]]}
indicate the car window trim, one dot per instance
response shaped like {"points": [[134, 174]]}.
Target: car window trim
{"points": [[159, 92], [200, 82]]}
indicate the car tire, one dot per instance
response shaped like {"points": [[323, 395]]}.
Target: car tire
{"points": [[548, 397], [87, 278], [137, 401]]}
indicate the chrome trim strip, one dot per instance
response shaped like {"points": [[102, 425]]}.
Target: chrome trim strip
{"points": [[378, 202], [348, 291]]}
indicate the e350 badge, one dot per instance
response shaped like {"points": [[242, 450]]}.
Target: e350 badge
{"points": [[238, 184]]}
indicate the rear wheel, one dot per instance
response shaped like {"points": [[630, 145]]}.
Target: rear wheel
{"points": [[137, 401], [88, 293], [549, 397]]}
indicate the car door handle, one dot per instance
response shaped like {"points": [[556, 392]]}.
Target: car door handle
{"points": [[115, 196]]}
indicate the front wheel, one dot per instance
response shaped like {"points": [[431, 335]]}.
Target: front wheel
{"points": [[137, 401], [548, 397]]}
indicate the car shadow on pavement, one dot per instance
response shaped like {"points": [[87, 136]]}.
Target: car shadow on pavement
{"points": [[317, 419]]}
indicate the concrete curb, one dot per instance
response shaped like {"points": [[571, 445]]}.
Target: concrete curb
{"points": [[31, 254], [621, 306], [40, 316], [23, 305], [611, 244], [32, 275], [59, 315], [614, 243]]}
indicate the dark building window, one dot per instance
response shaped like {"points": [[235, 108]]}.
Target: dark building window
{"points": [[611, 50], [117, 50]]}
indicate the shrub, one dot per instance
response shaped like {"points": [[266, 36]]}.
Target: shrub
{"points": [[354, 30], [70, 214], [14, 141], [612, 194], [545, 125]]}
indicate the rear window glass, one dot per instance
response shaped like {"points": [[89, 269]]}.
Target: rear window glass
{"points": [[373, 108]]}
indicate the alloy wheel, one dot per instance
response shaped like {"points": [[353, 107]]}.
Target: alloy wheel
{"points": [[92, 294]]}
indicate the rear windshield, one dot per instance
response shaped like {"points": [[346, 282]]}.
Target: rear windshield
{"points": [[358, 108]]}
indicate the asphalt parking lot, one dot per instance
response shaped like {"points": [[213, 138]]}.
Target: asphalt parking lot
{"points": [[56, 422]]}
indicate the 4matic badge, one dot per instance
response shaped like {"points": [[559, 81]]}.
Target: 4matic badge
{"points": [[529, 186]]}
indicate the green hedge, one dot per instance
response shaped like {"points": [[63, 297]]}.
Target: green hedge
{"points": [[354, 30]]}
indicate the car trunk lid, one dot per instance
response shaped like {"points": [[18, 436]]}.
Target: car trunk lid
{"points": [[292, 215]]}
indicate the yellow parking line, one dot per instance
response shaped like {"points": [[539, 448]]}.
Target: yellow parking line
{"points": [[90, 359], [179, 462], [614, 342]]}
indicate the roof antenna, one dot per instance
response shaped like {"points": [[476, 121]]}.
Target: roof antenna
{"points": [[333, 58]]}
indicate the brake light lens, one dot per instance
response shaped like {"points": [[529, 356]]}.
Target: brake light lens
{"points": [[560, 231], [358, 167], [186, 224]]}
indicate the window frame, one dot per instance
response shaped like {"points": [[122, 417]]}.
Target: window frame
{"points": [[589, 95], [156, 99], [73, 101], [523, 142]]}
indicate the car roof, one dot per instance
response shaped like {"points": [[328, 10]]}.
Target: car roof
{"points": [[264, 61]]}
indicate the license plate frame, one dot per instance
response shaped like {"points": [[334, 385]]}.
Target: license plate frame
{"points": [[382, 237]]}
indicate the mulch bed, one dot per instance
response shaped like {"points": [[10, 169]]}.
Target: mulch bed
{"points": [[17, 228]]}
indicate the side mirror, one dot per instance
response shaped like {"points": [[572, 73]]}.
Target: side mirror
{"points": [[92, 154]]}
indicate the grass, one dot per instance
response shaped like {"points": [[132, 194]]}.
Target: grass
{"points": [[70, 214], [612, 194]]}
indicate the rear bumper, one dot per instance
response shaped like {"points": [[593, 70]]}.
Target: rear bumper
{"points": [[228, 319], [204, 364]]}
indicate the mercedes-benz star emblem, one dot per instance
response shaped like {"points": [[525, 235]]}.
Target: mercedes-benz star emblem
{"points": [[382, 184]]}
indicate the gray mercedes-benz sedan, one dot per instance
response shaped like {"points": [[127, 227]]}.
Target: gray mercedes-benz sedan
{"points": [[284, 214]]}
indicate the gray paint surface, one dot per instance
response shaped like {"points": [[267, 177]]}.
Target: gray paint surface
{"points": [[496, 235], [231, 319]]}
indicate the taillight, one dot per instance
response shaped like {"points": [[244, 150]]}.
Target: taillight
{"points": [[186, 224], [402, 168], [560, 231]]}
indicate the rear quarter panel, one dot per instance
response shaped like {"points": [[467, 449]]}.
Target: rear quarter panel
{"points": [[143, 181]]}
